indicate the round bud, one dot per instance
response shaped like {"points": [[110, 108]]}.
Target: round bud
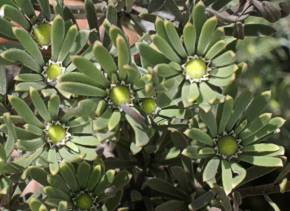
{"points": [[56, 133], [195, 68], [149, 105], [84, 202], [41, 34], [53, 71], [120, 95], [227, 145]]}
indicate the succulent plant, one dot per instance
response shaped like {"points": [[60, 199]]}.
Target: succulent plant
{"points": [[198, 59], [139, 105], [38, 71], [236, 133], [81, 186], [52, 133]]}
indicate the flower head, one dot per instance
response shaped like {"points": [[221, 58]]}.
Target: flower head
{"points": [[198, 60], [52, 133], [236, 134]]}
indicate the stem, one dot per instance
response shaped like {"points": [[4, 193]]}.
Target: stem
{"points": [[262, 190]]}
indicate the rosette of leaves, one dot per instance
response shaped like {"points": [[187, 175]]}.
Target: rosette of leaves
{"points": [[114, 83], [236, 134], [180, 192], [49, 134], [42, 69], [81, 186], [196, 64], [34, 17]]}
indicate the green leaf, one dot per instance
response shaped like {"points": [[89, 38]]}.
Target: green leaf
{"points": [[239, 174], [209, 119], [29, 44], [26, 7], [227, 177], [160, 28], [257, 106], [62, 206], [225, 73], [11, 134], [189, 94], [226, 114], [209, 95], [165, 49], [202, 200], [24, 111], [241, 102], [34, 204], [268, 129], [91, 14], [210, 170], [85, 66], [13, 14], [256, 125], [124, 56], [53, 106], [56, 193], [6, 29], [38, 174], [3, 80], [94, 177], [77, 77], [227, 58], [114, 33], [83, 173], [174, 38], [198, 17], [44, 8], [39, 105], [57, 181], [142, 134], [69, 39], [85, 140], [26, 160], [253, 29], [57, 36], [68, 174], [215, 50], [104, 58], [20, 56], [206, 35], [114, 120], [262, 160], [27, 77], [82, 89], [149, 56], [33, 129], [53, 161], [181, 177], [189, 38], [165, 187], [171, 205], [261, 148], [200, 136], [25, 86]]}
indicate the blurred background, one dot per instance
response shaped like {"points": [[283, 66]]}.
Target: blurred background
{"points": [[268, 61]]}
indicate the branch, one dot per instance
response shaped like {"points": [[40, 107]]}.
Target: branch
{"points": [[262, 190]]}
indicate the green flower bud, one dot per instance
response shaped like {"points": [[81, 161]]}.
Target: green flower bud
{"points": [[120, 95], [195, 68], [53, 71], [149, 105], [227, 145], [41, 33], [56, 133], [84, 202]]}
